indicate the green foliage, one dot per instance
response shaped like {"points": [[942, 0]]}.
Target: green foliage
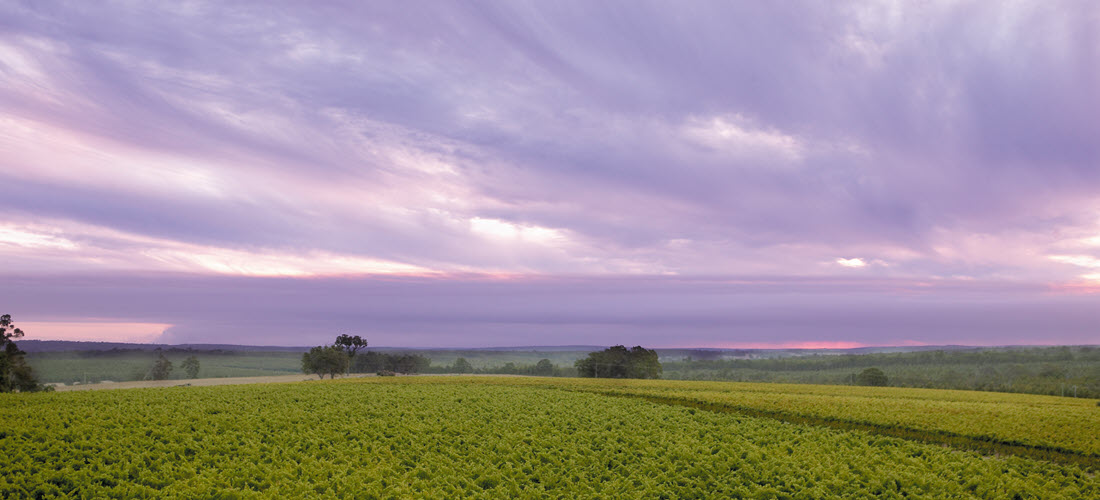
{"points": [[8, 330], [191, 366], [487, 361], [543, 368], [462, 366], [161, 368], [371, 362], [872, 376], [461, 437], [325, 360], [15, 374], [620, 362], [350, 344]]}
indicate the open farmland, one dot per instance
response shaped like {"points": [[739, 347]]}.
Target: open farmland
{"points": [[483, 437], [1070, 427], [70, 367]]}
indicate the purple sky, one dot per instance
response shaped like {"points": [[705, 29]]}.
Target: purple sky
{"points": [[510, 173]]}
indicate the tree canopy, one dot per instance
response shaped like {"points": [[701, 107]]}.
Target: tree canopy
{"points": [[161, 368], [350, 344], [191, 366], [872, 376], [620, 362], [544, 368], [462, 366], [325, 360], [373, 362], [15, 373]]}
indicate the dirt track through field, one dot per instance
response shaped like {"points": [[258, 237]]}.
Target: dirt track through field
{"points": [[197, 382]]}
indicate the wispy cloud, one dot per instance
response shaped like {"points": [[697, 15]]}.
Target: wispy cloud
{"points": [[930, 141]]}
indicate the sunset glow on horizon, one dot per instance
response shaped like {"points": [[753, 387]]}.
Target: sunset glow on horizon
{"points": [[425, 174]]}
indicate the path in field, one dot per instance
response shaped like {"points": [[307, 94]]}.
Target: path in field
{"points": [[139, 384]]}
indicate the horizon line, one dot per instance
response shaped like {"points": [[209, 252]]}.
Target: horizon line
{"points": [[756, 346]]}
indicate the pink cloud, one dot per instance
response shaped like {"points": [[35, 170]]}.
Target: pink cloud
{"points": [[93, 331]]}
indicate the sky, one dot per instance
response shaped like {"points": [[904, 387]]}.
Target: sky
{"points": [[464, 174]]}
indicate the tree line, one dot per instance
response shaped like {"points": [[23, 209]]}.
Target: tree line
{"points": [[543, 368], [970, 356], [1058, 371], [613, 362], [343, 356]]}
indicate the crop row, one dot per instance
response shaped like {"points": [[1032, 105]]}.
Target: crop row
{"points": [[1042, 422], [435, 437]]}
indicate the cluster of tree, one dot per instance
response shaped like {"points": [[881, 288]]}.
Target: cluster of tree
{"points": [[620, 362], [873, 377], [343, 357], [326, 360], [375, 362], [162, 367], [543, 368], [15, 373], [462, 366], [332, 359]]}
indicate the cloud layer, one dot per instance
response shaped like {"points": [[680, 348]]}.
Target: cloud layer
{"points": [[945, 142]]}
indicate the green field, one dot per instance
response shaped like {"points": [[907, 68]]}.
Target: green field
{"points": [[70, 367], [1061, 370], [498, 437], [1070, 427], [1065, 370]]}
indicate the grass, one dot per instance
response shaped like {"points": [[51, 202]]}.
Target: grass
{"points": [[96, 366]]}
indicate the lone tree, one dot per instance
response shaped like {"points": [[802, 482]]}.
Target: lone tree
{"points": [[872, 376], [191, 366], [324, 360], [350, 344], [15, 374], [161, 368], [620, 362]]}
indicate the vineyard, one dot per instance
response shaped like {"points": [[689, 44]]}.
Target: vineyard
{"points": [[1069, 425], [481, 437]]}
